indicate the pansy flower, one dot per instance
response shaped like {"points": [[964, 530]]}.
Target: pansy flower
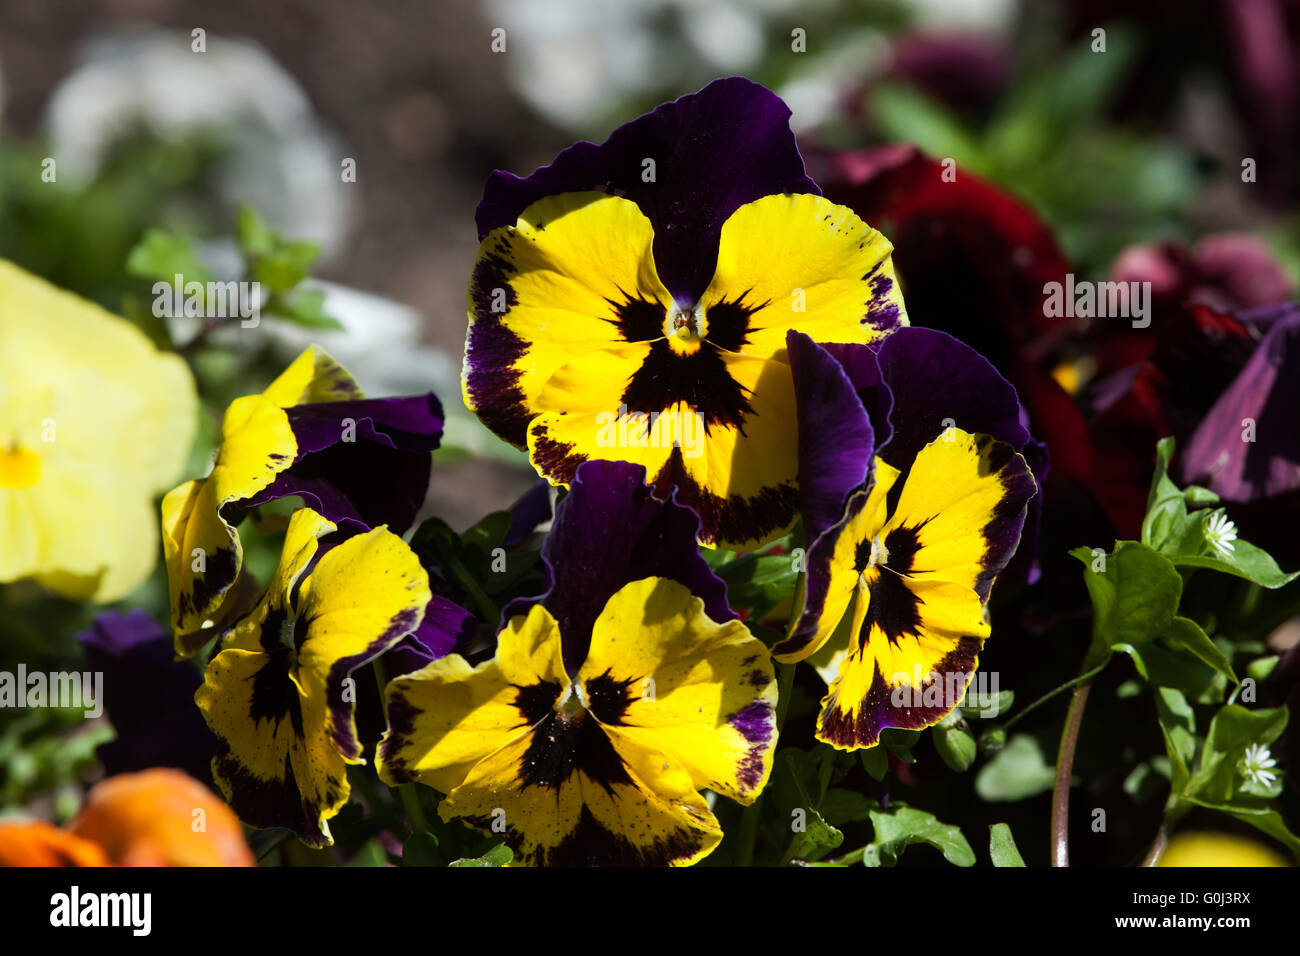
{"points": [[610, 702], [915, 500], [94, 423], [631, 300], [312, 434], [278, 695]]}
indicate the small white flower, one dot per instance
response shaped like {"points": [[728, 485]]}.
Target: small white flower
{"points": [[1220, 532], [1255, 765]]}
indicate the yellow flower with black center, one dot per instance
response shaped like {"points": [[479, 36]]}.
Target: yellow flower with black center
{"points": [[94, 422], [646, 321], [609, 703], [904, 544], [279, 697]]}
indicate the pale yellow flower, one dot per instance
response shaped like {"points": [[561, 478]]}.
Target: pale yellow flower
{"points": [[94, 423]]}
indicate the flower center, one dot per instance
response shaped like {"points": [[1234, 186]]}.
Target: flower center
{"points": [[879, 553], [685, 327], [19, 468]]}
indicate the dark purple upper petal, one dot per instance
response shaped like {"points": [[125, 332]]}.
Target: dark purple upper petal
{"points": [[411, 423], [937, 380], [715, 150], [366, 460], [1267, 392], [148, 697], [610, 530]]}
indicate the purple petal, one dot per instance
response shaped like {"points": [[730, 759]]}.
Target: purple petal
{"points": [[937, 381], [411, 423], [379, 475], [446, 626], [532, 509], [609, 531], [836, 439], [1267, 393], [714, 151]]}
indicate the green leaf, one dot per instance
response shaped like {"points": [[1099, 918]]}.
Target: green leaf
{"points": [[421, 849], [759, 583], [814, 838], [162, 255], [1134, 598], [285, 266], [1264, 819], [875, 761], [1246, 561], [1180, 535], [986, 709], [488, 532], [1217, 779], [841, 806], [304, 307], [1002, 846], [1015, 772], [797, 780], [1166, 669], [900, 742], [256, 238], [953, 740], [1178, 726], [901, 827], [499, 855], [1166, 505], [1184, 634], [1261, 667], [903, 114]]}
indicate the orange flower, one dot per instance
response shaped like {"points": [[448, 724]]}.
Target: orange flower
{"points": [[162, 818], [153, 818], [37, 843]]}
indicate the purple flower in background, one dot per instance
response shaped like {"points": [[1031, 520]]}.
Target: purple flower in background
{"points": [[1247, 448], [148, 697]]}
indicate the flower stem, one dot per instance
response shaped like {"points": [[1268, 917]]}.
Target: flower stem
{"points": [[1073, 682], [1064, 769], [482, 603], [1158, 844]]}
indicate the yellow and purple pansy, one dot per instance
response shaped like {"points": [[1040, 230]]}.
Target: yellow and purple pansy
{"points": [[312, 434], [610, 701], [631, 300], [914, 499], [278, 695]]}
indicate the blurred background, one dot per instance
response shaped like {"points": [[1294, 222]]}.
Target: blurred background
{"points": [[1118, 129]]}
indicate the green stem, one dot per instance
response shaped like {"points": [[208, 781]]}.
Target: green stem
{"points": [[1064, 770], [748, 830], [1085, 676], [272, 846], [482, 603], [406, 792], [853, 856]]}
